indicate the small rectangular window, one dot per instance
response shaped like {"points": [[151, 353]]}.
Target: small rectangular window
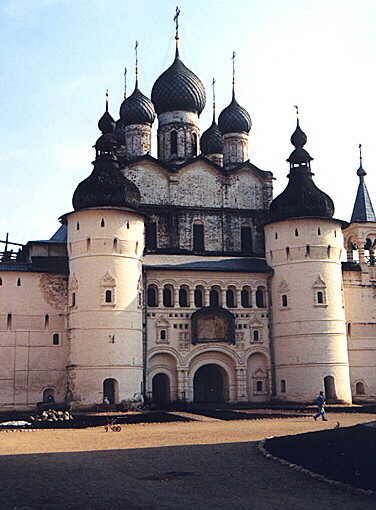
{"points": [[246, 239], [284, 300], [198, 237], [259, 386], [283, 386], [151, 236], [108, 297], [55, 339]]}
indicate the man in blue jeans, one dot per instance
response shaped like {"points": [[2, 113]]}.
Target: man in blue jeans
{"points": [[320, 402]]}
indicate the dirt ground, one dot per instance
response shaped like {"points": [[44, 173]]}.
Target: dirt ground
{"points": [[206, 464]]}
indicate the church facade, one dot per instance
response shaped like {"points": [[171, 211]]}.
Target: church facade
{"points": [[179, 277]]}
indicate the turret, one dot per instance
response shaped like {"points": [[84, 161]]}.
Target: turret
{"points": [[304, 245], [179, 97], [105, 247], [211, 143], [234, 123], [137, 115]]}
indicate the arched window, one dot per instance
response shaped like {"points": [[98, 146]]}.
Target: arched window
{"points": [[359, 388], [284, 300], [102, 222], [245, 297], [19, 282], [174, 142], [320, 298], [260, 297], [256, 335], [163, 334], [230, 298], [152, 295], [183, 297], [194, 144], [108, 296], [77, 226], [46, 321], [55, 339], [198, 237], [73, 299], [283, 386], [199, 297], [168, 296], [214, 296]]}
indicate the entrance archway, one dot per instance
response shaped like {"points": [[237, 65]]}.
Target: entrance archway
{"points": [[209, 384], [161, 390], [109, 390], [330, 388]]}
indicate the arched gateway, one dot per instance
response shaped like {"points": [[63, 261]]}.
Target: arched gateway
{"points": [[209, 384], [161, 389]]}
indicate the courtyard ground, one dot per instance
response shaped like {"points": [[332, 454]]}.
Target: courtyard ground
{"points": [[205, 464]]}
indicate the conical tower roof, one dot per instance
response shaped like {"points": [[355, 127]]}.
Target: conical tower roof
{"points": [[363, 209]]}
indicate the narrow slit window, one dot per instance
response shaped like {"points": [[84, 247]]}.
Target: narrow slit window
{"points": [[77, 226], [88, 242], [308, 250], [163, 334], [284, 300], [9, 321], [55, 339], [319, 231], [46, 321], [102, 222], [19, 282], [283, 386], [320, 297], [73, 299], [108, 296], [115, 244], [296, 232], [256, 335]]}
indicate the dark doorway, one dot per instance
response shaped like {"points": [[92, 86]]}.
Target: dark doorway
{"points": [[330, 388], [208, 384], [161, 390], [109, 391]]}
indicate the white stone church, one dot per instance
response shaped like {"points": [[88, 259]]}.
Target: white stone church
{"points": [[181, 278]]}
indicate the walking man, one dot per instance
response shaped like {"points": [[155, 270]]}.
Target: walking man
{"points": [[320, 402]]}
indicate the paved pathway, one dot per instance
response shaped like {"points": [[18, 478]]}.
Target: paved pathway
{"points": [[174, 466]]}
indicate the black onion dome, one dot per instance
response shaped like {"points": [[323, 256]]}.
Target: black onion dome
{"points": [[178, 88], [106, 123], [211, 140], [234, 119], [301, 198], [137, 109], [106, 186]]}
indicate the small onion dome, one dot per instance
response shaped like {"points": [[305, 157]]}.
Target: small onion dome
{"points": [[178, 89], [106, 187], [137, 109], [234, 119], [299, 139], [211, 140], [106, 123]]}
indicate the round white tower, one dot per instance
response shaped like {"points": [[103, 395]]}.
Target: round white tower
{"points": [[105, 247], [304, 245]]}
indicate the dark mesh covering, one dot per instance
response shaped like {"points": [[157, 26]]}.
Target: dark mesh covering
{"points": [[106, 123], [106, 186], [137, 109], [211, 140], [234, 119], [301, 198], [178, 89]]}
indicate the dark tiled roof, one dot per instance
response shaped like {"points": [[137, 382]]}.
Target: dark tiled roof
{"points": [[232, 265], [234, 119], [137, 109], [60, 236]]}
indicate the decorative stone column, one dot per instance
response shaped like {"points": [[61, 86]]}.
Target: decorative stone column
{"points": [[160, 296], [206, 296], [223, 297], [176, 300], [191, 298]]}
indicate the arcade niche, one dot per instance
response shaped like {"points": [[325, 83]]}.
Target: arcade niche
{"points": [[213, 324]]}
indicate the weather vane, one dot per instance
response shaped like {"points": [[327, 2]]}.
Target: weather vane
{"points": [[136, 53], [233, 71], [213, 87], [176, 19], [125, 82], [297, 110]]}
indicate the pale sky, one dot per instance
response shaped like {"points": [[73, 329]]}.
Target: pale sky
{"points": [[59, 56]]}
